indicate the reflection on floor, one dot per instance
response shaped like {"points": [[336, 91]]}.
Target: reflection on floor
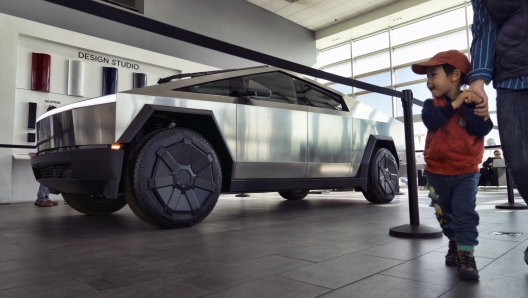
{"points": [[327, 245]]}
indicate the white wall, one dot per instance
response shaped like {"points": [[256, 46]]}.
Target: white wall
{"points": [[19, 38]]}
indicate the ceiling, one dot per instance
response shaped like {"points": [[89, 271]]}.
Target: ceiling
{"points": [[318, 14]]}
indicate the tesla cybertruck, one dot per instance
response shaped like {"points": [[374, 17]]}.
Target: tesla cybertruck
{"points": [[170, 150]]}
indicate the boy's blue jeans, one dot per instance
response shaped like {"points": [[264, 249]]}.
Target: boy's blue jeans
{"points": [[454, 199]]}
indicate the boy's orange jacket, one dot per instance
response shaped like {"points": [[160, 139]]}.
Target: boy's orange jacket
{"points": [[455, 138]]}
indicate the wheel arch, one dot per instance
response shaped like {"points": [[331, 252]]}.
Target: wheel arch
{"points": [[155, 117], [374, 142]]}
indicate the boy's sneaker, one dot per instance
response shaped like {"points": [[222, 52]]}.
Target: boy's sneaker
{"points": [[452, 254], [467, 268]]}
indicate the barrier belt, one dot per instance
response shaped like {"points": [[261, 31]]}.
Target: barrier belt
{"points": [[17, 146]]}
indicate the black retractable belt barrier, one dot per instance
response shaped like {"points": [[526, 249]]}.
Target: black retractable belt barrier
{"points": [[414, 230]]}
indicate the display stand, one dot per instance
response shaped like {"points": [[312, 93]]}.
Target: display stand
{"points": [[414, 229], [511, 205]]}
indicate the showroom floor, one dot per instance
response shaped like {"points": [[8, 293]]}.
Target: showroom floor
{"points": [[327, 245]]}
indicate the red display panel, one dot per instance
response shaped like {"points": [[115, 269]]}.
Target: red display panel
{"points": [[40, 72]]}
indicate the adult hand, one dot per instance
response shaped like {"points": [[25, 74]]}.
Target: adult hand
{"points": [[491, 164], [477, 87]]}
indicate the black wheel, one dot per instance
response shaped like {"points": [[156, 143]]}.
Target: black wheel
{"points": [[94, 205], [294, 194], [174, 178], [382, 183]]}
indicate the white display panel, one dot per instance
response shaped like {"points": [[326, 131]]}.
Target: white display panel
{"points": [[75, 77]]}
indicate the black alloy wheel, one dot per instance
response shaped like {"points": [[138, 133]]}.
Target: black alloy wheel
{"points": [[382, 183], [294, 195], [94, 205], [174, 178]]}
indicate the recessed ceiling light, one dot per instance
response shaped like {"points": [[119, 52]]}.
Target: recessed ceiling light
{"points": [[397, 19], [291, 1]]}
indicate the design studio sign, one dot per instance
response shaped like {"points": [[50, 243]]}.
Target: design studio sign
{"points": [[107, 60]]}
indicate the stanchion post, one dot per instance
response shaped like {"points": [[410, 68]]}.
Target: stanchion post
{"points": [[511, 199], [414, 230]]}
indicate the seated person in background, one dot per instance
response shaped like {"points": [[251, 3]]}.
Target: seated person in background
{"points": [[488, 175]]}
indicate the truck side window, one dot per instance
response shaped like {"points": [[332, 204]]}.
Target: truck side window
{"points": [[281, 86], [215, 88], [321, 98]]}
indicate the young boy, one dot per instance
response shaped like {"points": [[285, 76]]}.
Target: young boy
{"points": [[454, 147]]}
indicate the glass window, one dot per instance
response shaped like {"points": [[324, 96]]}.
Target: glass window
{"points": [[321, 98], [216, 88], [420, 91], [344, 70], [380, 102], [406, 74], [371, 63], [428, 48], [450, 20], [341, 88], [336, 54], [420, 131], [380, 79], [370, 44], [281, 86], [470, 14]]}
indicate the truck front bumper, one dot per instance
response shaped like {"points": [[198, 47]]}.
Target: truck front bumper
{"points": [[91, 172]]}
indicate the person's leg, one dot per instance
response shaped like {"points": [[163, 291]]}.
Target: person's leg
{"points": [[512, 108], [465, 222], [42, 197], [440, 194]]}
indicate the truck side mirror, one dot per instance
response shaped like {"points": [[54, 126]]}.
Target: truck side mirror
{"points": [[256, 90]]}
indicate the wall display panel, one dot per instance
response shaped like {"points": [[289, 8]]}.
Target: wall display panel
{"points": [[405, 74], [32, 115], [371, 63], [109, 80], [93, 61], [139, 80], [431, 26], [40, 72], [31, 137], [370, 44], [335, 55], [344, 70], [428, 48], [75, 77], [380, 79], [380, 102]]}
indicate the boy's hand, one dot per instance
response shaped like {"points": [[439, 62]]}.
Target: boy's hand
{"points": [[463, 97]]}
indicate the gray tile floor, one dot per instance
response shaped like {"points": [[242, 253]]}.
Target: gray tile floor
{"points": [[327, 245]]}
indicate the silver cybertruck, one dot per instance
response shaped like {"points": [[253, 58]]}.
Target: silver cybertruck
{"points": [[170, 150]]}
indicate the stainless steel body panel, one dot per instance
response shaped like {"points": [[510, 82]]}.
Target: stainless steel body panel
{"points": [[369, 121], [329, 143], [223, 108], [95, 124], [92, 125], [271, 140]]}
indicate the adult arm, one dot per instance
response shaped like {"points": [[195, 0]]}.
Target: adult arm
{"points": [[434, 117], [484, 31], [486, 164]]}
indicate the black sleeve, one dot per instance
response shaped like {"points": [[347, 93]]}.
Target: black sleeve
{"points": [[476, 126], [434, 117]]}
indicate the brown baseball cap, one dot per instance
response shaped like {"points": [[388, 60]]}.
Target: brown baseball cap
{"points": [[451, 57]]}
